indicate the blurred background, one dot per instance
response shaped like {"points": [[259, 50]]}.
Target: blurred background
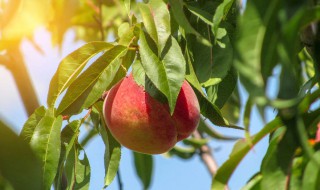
{"points": [[43, 34]]}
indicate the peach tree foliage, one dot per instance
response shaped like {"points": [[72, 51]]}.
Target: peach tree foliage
{"points": [[217, 46]]}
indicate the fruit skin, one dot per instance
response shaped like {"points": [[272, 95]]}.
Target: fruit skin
{"points": [[143, 124]]}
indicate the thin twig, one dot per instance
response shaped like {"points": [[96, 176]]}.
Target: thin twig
{"points": [[119, 180], [100, 21]]}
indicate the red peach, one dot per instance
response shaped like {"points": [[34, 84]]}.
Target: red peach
{"points": [[143, 124]]}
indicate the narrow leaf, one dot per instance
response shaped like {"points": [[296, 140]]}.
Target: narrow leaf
{"points": [[203, 15], [240, 149], [90, 85], [69, 137], [144, 167], [204, 127], [71, 66], [77, 169], [112, 153], [47, 145]]}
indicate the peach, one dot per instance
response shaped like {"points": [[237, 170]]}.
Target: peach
{"points": [[142, 123]]}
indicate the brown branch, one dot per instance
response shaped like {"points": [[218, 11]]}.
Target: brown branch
{"points": [[15, 63], [207, 156]]}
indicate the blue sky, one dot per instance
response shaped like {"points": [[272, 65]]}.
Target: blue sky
{"points": [[169, 173]]}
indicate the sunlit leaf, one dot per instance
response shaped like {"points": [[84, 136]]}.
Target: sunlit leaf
{"points": [[240, 149], [90, 85], [71, 66], [18, 164], [144, 167], [46, 143], [30, 125]]}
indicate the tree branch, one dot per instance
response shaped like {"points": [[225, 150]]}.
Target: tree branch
{"points": [[14, 62], [207, 156]]}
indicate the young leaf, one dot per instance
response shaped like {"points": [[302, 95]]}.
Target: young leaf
{"points": [[77, 169], [90, 85], [18, 164], [46, 143], [166, 73], [71, 66], [143, 165], [240, 149]]}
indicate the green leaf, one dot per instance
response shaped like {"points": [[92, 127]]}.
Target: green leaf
{"points": [[252, 31], [204, 127], [240, 149], [18, 164], [254, 184], [311, 175], [167, 73], [180, 17], [156, 19], [220, 14], [195, 142], [226, 88], [30, 125], [211, 64], [203, 15], [71, 66], [90, 85], [77, 169], [69, 136], [129, 36], [182, 152], [46, 143], [231, 109], [212, 112], [144, 167], [112, 153]]}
